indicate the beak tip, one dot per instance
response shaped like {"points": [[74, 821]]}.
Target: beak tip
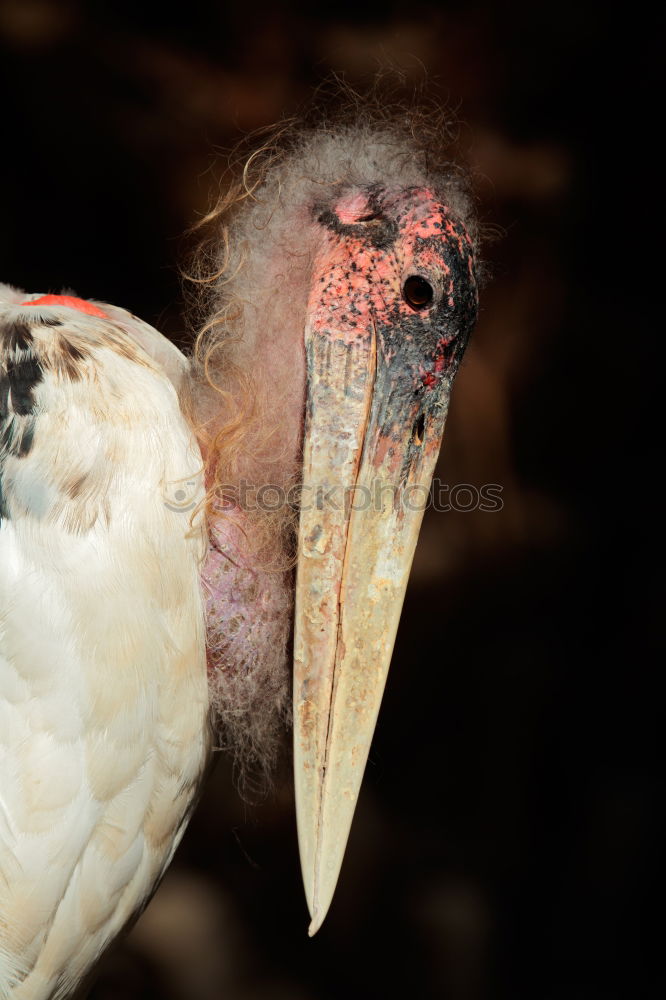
{"points": [[317, 914], [316, 922]]}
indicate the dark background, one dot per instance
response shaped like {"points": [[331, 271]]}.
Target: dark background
{"points": [[505, 845]]}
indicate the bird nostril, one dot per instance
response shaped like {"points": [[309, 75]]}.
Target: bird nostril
{"points": [[417, 292], [418, 430]]}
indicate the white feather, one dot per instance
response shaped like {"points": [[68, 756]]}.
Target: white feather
{"points": [[103, 691]]}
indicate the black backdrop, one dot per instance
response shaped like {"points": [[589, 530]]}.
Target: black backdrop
{"points": [[505, 844]]}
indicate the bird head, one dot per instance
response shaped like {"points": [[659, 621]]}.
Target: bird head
{"points": [[358, 303]]}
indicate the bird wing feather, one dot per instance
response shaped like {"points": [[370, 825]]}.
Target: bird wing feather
{"points": [[103, 692]]}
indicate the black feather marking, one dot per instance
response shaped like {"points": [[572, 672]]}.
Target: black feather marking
{"points": [[4, 513], [20, 372], [4, 396], [74, 352], [23, 376], [17, 437], [17, 337], [71, 359]]}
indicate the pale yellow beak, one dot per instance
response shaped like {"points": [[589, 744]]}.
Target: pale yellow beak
{"points": [[371, 443]]}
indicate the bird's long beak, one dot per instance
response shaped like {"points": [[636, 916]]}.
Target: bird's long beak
{"points": [[371, 441]]}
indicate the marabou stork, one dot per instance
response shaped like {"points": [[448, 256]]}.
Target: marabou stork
{"points": [[141, 591]]}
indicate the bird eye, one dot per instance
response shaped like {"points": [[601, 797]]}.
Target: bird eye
{"points": [[417, 292]]}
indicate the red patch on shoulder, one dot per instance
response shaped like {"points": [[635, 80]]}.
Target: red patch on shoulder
{"points": [[70, 302]]}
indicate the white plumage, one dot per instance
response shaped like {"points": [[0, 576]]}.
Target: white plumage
{"points": [[103, 691]]}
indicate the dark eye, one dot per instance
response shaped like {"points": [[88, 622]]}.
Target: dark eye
{"points": [[417, 292]]}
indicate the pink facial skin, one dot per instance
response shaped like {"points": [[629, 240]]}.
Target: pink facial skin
{"points": [[360, 276], [376, 243]]}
